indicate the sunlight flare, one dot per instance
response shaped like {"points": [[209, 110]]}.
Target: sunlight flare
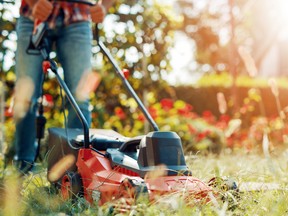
{"points": [[88, 83], [59, 169], [24, 90]]}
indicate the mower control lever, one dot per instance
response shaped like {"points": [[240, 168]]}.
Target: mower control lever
{"points": [[38, 35], [37, 39]]}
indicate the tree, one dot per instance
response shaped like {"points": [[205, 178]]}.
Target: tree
{"points": [[7, 42], [139, 35]]}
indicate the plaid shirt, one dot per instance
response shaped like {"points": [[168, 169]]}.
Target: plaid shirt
{"points": [[73, 12]]}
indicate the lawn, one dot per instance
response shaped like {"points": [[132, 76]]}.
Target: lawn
{"points": [[262, 183]]}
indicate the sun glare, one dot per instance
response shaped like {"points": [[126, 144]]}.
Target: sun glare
{"points": [[283, 12], [272, 14], [283, 6]]}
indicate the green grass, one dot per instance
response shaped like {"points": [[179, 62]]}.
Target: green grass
{"points": [[33, 196]]}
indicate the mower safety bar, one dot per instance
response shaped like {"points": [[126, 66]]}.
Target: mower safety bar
{"points": [[126, 83], [73, 103]]}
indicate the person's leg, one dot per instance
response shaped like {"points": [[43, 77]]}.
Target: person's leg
{"points": [[27, 66], [74, 53]]}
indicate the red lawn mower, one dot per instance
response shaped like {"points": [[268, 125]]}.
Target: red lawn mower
{"points": [[103, 165]]}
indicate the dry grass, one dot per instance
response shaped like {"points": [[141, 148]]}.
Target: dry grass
{"points": [[33, 196]]}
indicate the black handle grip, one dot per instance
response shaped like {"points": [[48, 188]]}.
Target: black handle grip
{"points": [[87, 2], [96, 36]]}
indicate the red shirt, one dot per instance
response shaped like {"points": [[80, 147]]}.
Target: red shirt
{"points": [[73, 12]]}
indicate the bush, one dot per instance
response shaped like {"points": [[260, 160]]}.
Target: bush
{"points": [[198, 133]]}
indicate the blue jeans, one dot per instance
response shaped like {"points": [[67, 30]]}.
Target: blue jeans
{"points": [[73, 48]]}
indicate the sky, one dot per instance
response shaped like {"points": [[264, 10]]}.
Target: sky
{"points": [[181, 57]]}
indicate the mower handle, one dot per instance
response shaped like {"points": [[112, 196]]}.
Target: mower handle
{"points": [[39, 43], [86, 2], [119, 71]]}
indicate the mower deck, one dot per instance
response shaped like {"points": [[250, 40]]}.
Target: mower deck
{"points": [[123, 163]]}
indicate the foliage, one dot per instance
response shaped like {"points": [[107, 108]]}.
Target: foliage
{"points": [[140, 42], [7, 37], [198, 133], [224, 79], [201, 132], [210, 26], [221, 29], [139, 39]]}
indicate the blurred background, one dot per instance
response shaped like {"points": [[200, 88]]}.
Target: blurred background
{"points": [[214, 71]]}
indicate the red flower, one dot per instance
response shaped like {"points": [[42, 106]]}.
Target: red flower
{"points": [[8, 112], [185, 111], [230, 141], [221, 125], [141, 117], [224, 118], [208, 116], [120, 113], [153, 112], [189, 107], [48, 100], [191, 129], [191, 115], [167, 104], [207, 132], [200, 136], [126, 73], [223, 122]]}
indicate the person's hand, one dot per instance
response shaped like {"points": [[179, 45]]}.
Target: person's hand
{"points": [[42, 9], [98, 13]]}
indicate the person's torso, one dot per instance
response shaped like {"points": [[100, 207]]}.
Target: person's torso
{"points": [[71, 12]]}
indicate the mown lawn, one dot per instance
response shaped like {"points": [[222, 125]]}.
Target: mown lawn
{"points": [[266, 195]]}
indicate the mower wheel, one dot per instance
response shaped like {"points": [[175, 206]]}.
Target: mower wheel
{"points": [[71, 186]]}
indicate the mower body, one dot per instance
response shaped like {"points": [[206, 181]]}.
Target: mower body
{"points": [[152, 165]]}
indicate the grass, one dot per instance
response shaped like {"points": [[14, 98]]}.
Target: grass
{"points": [[33, 196]]}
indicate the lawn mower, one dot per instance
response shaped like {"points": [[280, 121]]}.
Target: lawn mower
{"points": [[102, 165]]}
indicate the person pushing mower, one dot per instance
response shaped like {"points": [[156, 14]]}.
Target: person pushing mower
{"points": [[70, 31]]}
